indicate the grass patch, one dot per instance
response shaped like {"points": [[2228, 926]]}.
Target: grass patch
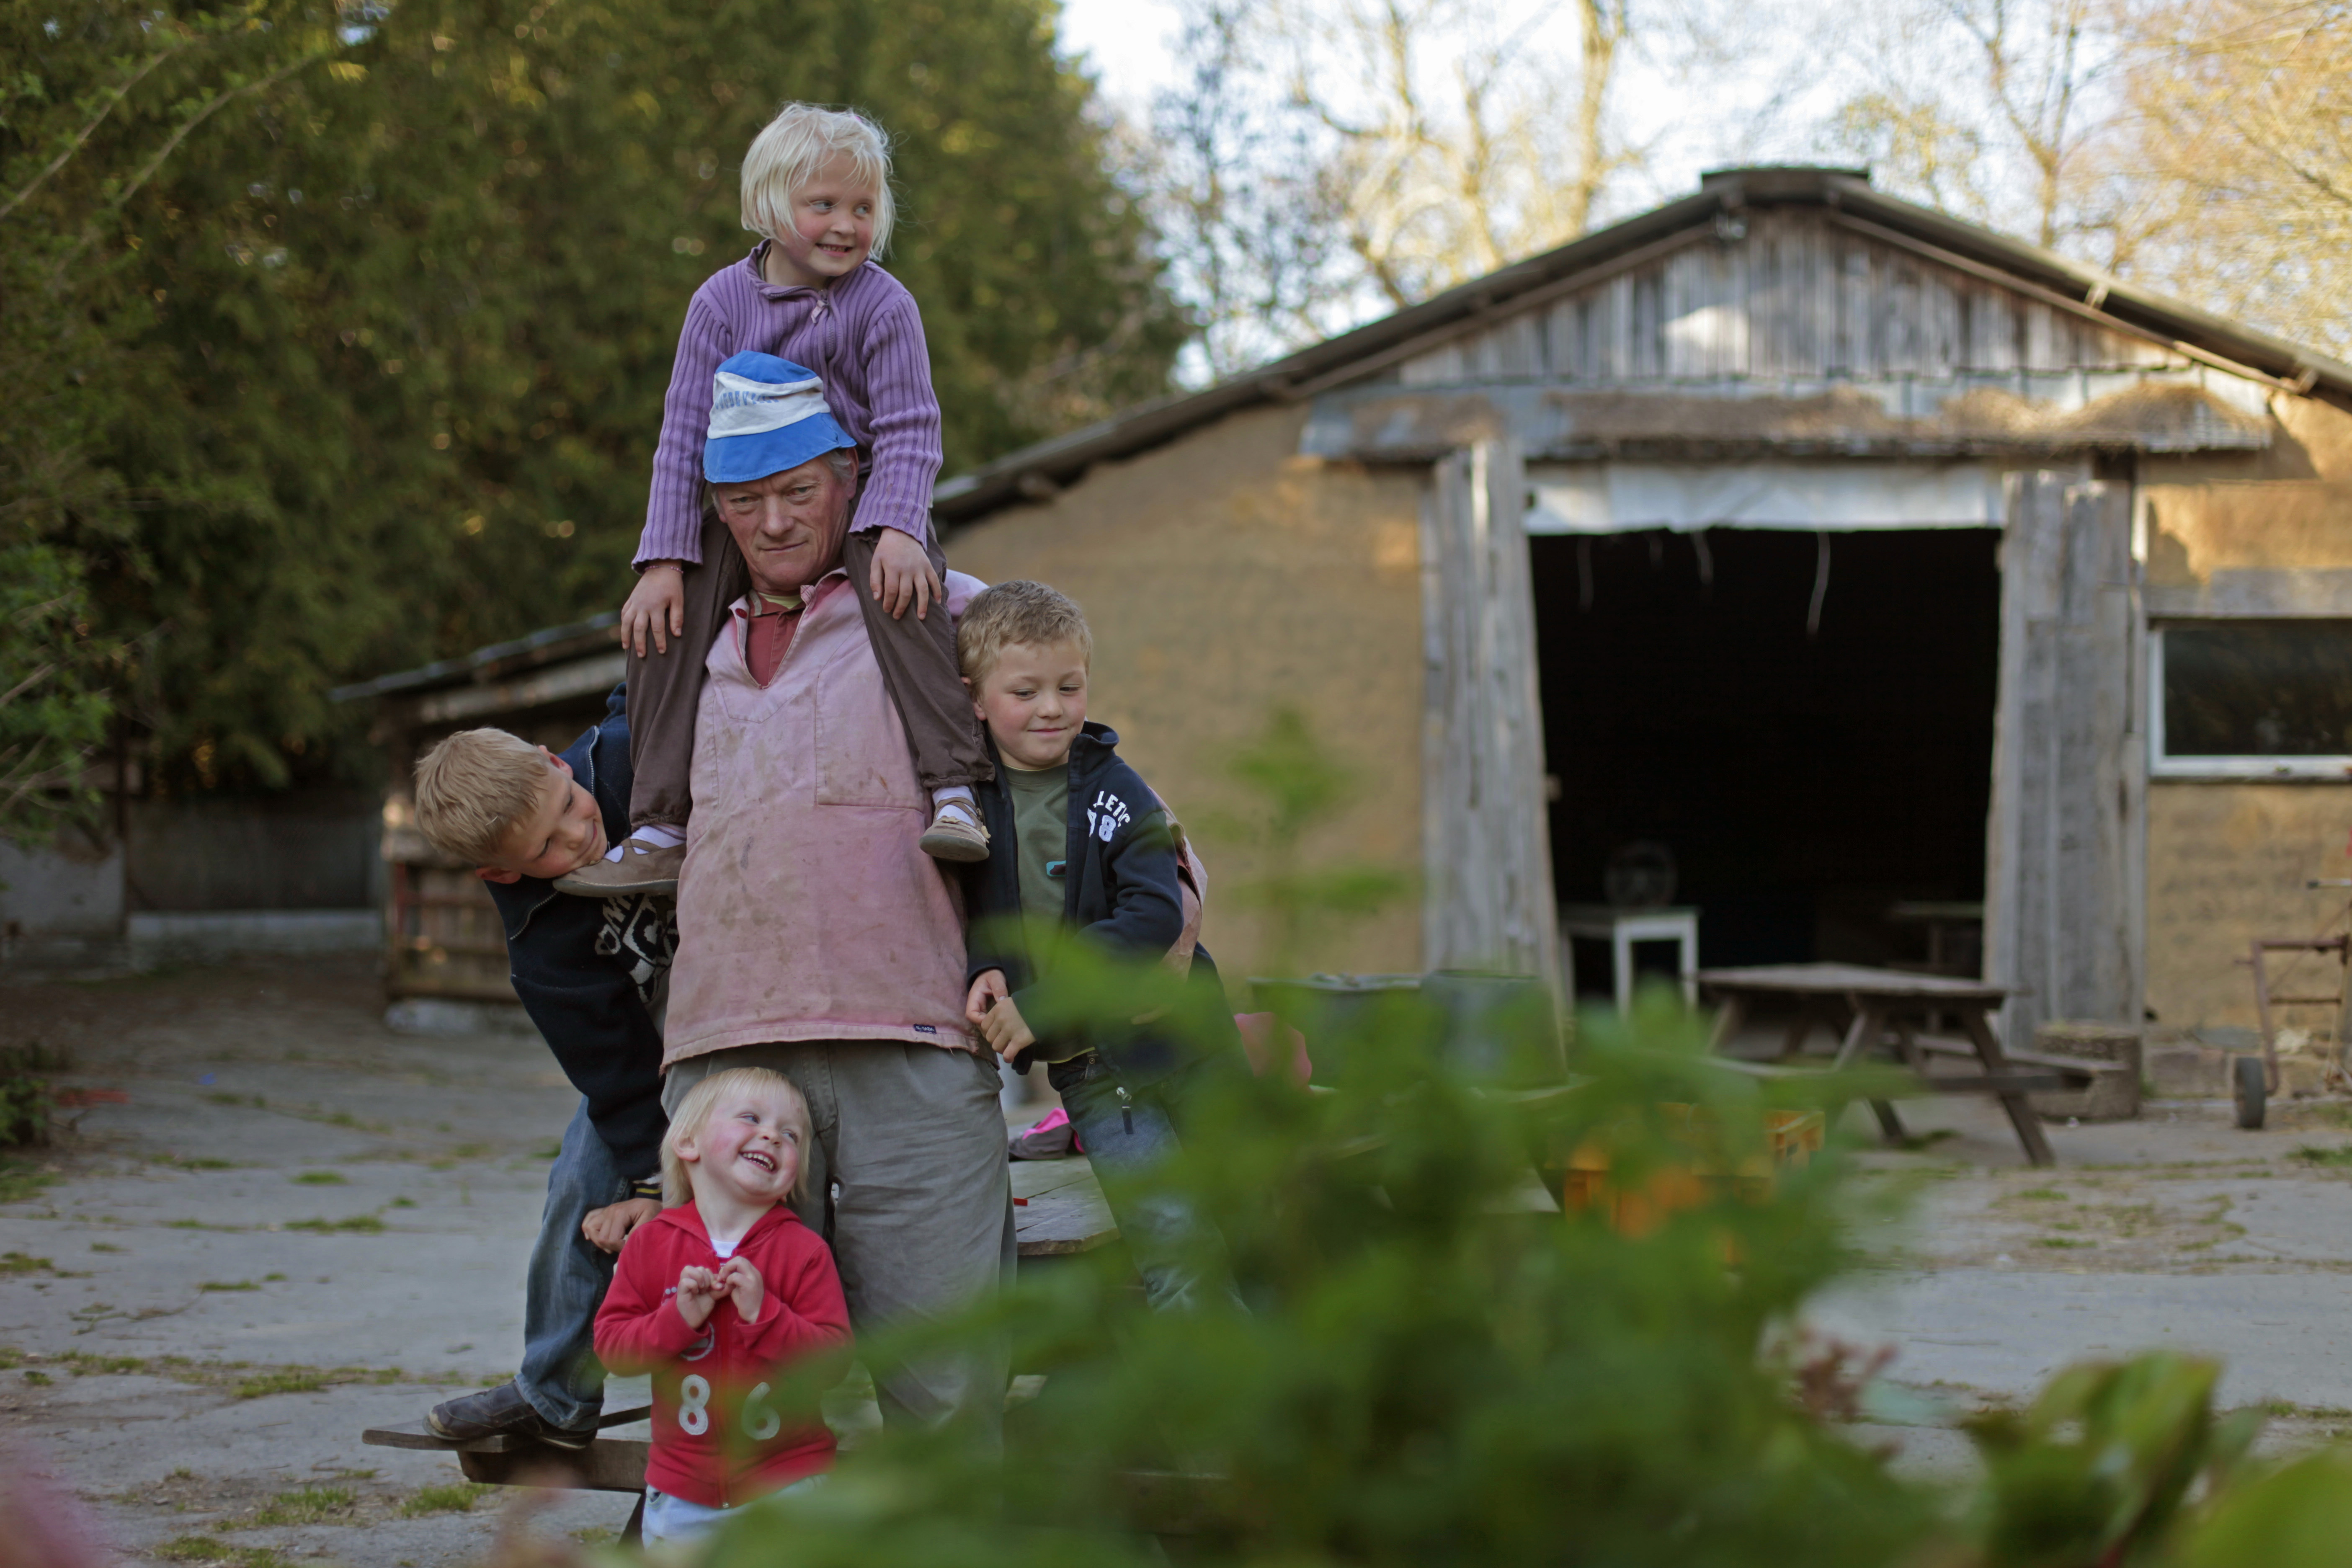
{"points": [[321, 1179], [203, 1162], [308, 1505], [2313, 1154], [2288, 1410], [456, 1496], [241, 1378], [228, 1285], [2062, 1241], [2042, 1196], [222, 1097], [207, 1549], [404, 1202], [363, 1224], [104, 1246], [271, 1279], [291, 1380], [38, 1379], [23, 1263], [20, 1180]]}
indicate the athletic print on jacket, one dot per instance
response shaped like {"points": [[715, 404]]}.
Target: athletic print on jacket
{"points": [[1107, 816]]}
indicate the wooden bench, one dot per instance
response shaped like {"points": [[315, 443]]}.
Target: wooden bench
{"points": [[1058, 1212]]}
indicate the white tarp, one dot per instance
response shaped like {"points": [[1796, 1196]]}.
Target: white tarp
{"points": [[1618, 497]]}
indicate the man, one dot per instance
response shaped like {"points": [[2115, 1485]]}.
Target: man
{"points": [[814, 935]]}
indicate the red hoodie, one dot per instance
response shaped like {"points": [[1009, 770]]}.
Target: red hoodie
{"points": [[715, 1441]]}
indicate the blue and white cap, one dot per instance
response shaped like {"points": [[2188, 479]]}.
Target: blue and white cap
{"points": [[767, 415]]}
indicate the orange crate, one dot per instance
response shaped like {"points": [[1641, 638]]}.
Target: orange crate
{"points": [[1793, 1137]]}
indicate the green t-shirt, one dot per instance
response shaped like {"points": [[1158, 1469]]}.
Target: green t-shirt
{"points": [[1041, 830]]}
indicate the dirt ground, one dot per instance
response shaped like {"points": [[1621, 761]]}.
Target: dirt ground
{"points": [[279, 1222]]}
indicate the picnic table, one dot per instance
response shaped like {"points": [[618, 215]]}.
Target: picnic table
{"points": [[1870, 1012]]}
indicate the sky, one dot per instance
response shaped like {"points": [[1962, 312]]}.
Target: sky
{"points": [[1125, 44]]}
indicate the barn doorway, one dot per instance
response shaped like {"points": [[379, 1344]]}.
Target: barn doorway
{"points": [[1807, 765]]}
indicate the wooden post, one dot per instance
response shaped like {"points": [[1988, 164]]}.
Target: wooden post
{"points": [[2069, 785], [1487, 901]]}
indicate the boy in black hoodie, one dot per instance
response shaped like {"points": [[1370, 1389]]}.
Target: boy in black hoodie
{"points": [[1077, 839], [592, 973]]}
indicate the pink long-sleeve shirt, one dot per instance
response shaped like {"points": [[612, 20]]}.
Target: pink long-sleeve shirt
{"points": [[807, 909], [862, 334]]}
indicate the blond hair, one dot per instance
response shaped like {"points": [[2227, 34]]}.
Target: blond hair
{"points": [[473, 787], [694, 1115], [791, 148], [1017, 614]]}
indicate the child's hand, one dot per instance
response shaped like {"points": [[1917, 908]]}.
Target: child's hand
{"points": [[737, 1275], [1006, 1030], [902, 575], [656, 605], [986, 991], [698, 1294], [607, 1228]]}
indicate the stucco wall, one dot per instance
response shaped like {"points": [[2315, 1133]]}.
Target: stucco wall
{"points": [[1225, 577], [2286, 508], [2226, 863]]}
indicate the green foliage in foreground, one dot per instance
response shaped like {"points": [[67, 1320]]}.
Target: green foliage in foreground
{"points": [[1434, 1366]]}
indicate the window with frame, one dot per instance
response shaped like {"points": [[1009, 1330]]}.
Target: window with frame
{"points": [[2263, 698]]}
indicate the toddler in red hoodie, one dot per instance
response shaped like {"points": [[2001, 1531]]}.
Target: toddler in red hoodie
{"points": [[715, 1296]]}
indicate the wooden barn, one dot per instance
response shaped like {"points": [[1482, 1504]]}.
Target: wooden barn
{"points": [[1874, 571]]}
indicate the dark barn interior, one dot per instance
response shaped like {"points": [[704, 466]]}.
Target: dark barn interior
{"points": [[1803, 779]]}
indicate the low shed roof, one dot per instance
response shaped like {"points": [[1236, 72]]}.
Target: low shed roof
{"points": [[2084, 292]]}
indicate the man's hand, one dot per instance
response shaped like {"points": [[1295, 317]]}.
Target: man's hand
{"points": [[607, 1228], [656, 605], [737, 1276], [986, 991], [698, 1294], [1006, 1032], [902, 575]]}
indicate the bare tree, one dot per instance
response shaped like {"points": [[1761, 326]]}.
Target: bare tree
{"points": [[2239, 161], [1997, 110], [1248, 218], [1460, 138]]}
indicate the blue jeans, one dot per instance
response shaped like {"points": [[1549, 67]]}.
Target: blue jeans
{"points": [[1126, 1135], [560, 1376]]}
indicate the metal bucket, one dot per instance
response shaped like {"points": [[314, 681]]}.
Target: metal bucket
{"points": [[1491, 1027]]}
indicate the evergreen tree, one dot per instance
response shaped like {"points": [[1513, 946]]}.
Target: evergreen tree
{"points": [[341, 332]]}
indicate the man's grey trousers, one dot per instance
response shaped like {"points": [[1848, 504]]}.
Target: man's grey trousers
{"points": [[910, 1146]]}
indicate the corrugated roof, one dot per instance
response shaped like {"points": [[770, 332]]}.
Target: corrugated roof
{"points": [[491, 663], [1037, 470]]}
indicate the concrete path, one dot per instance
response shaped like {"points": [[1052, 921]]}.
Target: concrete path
{"points": [[279, 1222], [293, 1225], [2177, 1231]]}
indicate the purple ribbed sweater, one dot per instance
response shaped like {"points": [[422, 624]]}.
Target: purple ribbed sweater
{"points": [[862, 334]]}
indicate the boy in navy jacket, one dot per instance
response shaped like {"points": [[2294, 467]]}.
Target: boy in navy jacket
{"points": [[592, 974], [1076, 841]]}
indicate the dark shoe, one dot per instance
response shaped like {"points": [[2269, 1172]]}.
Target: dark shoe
{"points": [[643, 867], [502, 1412]]}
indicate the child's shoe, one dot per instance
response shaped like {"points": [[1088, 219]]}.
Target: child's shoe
{"points": [[956, 832], [642, 866]]}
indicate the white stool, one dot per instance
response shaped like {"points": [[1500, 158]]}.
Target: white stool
{"points": [[1620, 929]]}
